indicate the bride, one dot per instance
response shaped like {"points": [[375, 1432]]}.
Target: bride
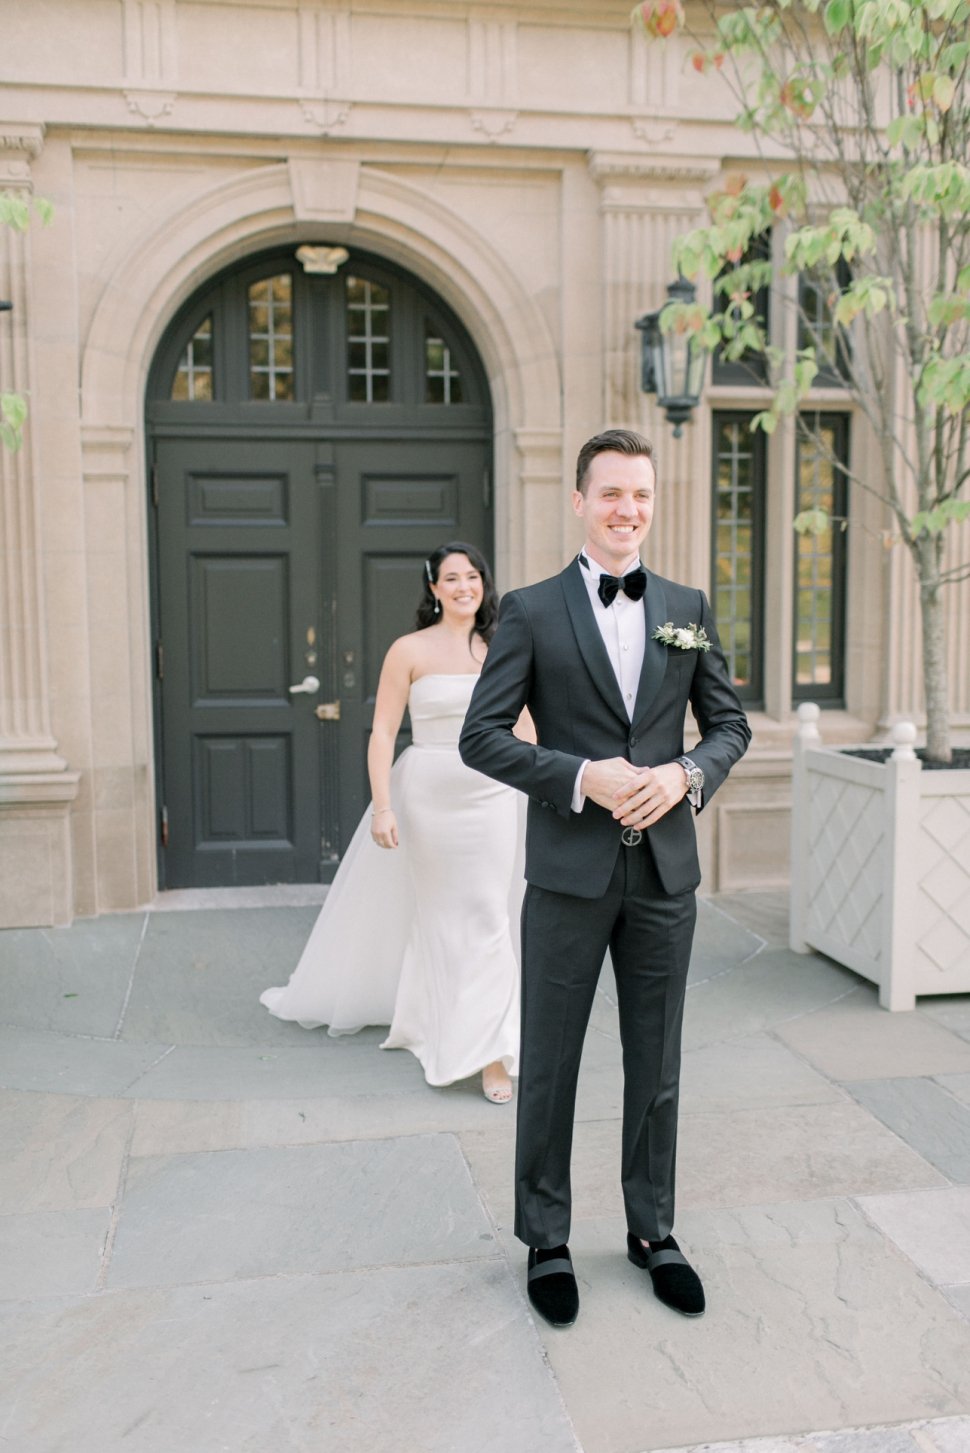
{"points": [[420, 935]]}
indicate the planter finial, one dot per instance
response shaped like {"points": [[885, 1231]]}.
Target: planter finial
{"points": [[904, 735], [808, 715]]}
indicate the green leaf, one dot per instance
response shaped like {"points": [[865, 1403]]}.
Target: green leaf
{"points": [[935, 521], [766, 421], [13, 409], [944, 90], [812, 522], [836, 16]]}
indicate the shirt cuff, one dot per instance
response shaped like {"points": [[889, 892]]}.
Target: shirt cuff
{"points": [[579, 797]]}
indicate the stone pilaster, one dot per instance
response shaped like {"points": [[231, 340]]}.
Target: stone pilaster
{"points": [[35, 786], [646, 201]]}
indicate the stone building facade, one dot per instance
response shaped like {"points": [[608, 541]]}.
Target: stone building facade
{"points": [[329, 282]]}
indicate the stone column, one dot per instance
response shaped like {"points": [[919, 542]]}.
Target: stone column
{"points": [[36, 788], [646, 201]]}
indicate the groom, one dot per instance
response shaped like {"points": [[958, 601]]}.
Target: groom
{"points": [[607, 657]]}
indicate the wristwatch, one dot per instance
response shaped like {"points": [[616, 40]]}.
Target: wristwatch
{"points": [[695, 777]]}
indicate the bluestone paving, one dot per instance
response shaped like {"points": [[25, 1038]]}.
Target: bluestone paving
{"points": [[235, 1214], [931, 1227], [51, 1254], [950, 1010], [743, 1074], [379, 1361], [761, 993], [71, 980], [957, 1085], [926, 1116], [60, 1152], [200, 976], [849, 1041], [60, 1064], [224, 1232], [813, 1320]]}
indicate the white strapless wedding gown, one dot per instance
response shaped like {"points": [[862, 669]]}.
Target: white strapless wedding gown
{"points": [[424, 937]]}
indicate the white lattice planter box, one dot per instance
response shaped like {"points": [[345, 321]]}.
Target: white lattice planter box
{"points": [[881, 865]]}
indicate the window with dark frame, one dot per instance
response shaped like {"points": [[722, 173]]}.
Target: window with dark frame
{"points": [[442, 380], [816, 323], [738, 543], [271, 339], [818, 647], [752, 367], [368, 341], [192, 380]]}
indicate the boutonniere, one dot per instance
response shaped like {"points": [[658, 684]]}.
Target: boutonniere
{"points": [[685, 638]]}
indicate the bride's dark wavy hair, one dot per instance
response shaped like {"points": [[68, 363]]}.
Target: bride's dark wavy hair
{"points": [[486, 617]]}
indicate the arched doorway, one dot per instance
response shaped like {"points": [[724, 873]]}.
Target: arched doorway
{"points": [[317, 421]]}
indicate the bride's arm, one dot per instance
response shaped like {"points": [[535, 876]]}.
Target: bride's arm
{"points": [[392, 698]]}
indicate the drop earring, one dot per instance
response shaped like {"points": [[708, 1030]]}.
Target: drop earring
{"points": [[437, 606]]}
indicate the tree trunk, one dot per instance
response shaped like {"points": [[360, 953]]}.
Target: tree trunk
{"points": [[935, 684]]}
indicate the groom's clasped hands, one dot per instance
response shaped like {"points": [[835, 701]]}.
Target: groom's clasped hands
{"points": [[636, 796]]}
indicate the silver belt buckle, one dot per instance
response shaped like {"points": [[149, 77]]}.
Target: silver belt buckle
{"points": [[630, 836]]}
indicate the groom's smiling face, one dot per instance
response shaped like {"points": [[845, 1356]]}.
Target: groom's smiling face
{"points": [[616, 507]]}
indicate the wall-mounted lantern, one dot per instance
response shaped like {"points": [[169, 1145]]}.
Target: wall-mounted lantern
{"points": [[672, 364]]}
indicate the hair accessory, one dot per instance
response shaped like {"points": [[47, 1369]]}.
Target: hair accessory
{"points": [[427, 570]]}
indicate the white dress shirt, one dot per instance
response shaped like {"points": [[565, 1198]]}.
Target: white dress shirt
{"points": [[623, 626]]}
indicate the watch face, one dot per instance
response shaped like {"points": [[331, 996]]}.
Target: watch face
{"points": [[695, 776]]}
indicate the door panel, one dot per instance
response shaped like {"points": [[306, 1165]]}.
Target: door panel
{"points": [[398, 500], [239, 590]]}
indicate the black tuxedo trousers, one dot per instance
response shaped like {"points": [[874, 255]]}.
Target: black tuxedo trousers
{"points": [[564, 941]]}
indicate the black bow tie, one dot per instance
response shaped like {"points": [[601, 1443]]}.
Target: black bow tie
{"points": [[632, 585]]}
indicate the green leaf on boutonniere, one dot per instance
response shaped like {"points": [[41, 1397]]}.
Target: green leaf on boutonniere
{"points": [[685, 638]]}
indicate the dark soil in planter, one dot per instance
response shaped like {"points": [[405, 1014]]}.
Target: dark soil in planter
{"points": [[961, 757]]}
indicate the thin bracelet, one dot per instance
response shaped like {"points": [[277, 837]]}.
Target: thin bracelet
{"points": [[378, 810]]}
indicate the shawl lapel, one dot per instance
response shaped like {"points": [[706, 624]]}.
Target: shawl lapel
{"points": [[589, 640], [654, 652]]}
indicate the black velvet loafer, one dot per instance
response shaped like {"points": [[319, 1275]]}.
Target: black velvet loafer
{"points": [[551, 1284], [675, 1282]]}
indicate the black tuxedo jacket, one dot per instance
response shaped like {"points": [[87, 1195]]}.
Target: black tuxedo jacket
{"points": [[548, 655]]}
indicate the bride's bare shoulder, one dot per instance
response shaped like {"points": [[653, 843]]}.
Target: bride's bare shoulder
{"points": [[407, 652]]}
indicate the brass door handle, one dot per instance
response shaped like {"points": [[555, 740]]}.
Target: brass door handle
{"points": [[328, 711]]}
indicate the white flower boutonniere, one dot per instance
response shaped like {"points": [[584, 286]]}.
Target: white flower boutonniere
{"points": [[686, 638]]}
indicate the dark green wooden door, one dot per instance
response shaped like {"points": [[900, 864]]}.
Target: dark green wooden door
{"points": [[397, 500], [242, 587], [314, 436]]}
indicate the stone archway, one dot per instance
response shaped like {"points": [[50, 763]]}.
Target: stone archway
{"points": [[286, 202]]}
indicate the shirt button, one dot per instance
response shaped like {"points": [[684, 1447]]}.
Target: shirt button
{"points": [[629, 696], [626, 648]]}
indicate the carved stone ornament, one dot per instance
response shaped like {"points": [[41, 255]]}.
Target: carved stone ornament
{"points": [[19, 145], [624, 166], [491, 123], [326, 116], [151, 106], [653, 130], [28, 139]]}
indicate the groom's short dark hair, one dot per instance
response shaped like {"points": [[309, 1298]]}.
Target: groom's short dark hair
{"points": [[611, 441]]}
